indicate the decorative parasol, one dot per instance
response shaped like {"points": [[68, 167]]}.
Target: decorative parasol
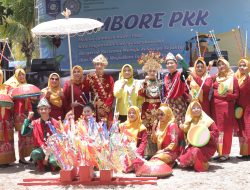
{"points": [[25, 91], [5, 101], [67, 26]]}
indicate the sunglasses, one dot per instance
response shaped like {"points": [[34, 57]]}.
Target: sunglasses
{"points": [[160, 114], [54, 79]]}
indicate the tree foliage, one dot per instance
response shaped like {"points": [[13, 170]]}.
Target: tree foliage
{"points": [[17, 26]]}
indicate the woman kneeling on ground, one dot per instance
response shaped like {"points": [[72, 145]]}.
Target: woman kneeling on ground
{"points": [[168, 137], [137, 132], [193, 156]]}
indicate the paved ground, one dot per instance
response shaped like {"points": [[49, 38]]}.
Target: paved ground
{"points": [[234, 174]]}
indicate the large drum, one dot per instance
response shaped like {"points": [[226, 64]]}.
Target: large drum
{"points": [[238, 112], [198, 136], [222, 89], [25, 91], [5, 101], [154, 168]]}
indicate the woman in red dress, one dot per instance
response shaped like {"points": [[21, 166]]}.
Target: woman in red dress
{"points": [[175, 88], [78, 89], [54, 94], [137, 132], [7, 149], [198, 157], [226, 92], [151, 92], [242, 76], [195, 79], [21, 109], [167, 135], [99, 86]]}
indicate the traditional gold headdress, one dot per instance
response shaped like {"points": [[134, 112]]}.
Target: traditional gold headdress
{"points": [[151, 60], [100, 59]]}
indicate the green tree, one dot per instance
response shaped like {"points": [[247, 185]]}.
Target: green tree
{"points": [[17, 27], [4, 13]]}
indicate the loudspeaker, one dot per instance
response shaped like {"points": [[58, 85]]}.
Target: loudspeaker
{"points": [[209, 56], [47, 64]]}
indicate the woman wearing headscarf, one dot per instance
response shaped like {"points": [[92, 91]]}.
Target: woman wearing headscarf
{"points": [[198, 157], [150, 90], [242, 75], [78, 89], [7, 149], [125, 90], [196, 79], [226, 92], [175, 89], [167, 135], [54, 94], [136, 132], [21, 109]]}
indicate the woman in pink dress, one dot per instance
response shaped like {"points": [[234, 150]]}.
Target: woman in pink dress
{"points": [[78, 89], [242, 75], [135, 131], [7, 149], [167, 135], [196, 79], [226, 92], [21, 109], [197, 157]]}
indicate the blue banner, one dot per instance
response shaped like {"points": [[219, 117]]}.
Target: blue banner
{"points": [[135, 26]]}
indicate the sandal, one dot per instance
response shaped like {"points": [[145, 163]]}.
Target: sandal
{"points": [[245, 157], [216, 158], [223, 158], [23, 161]]}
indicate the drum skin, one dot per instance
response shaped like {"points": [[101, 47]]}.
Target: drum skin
{"points": [[25, 91], [154, 168], [5, 101], [198, 136], [238, 112], [222, 89]]}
